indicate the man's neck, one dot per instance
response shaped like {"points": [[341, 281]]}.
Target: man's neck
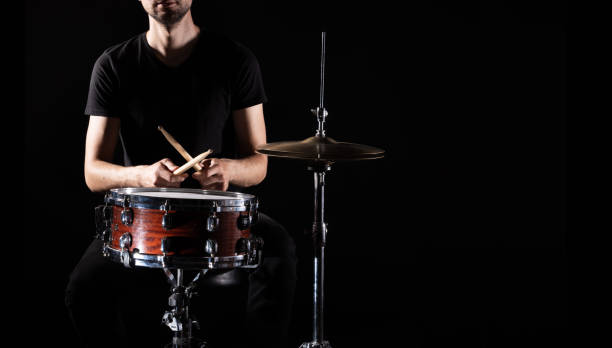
{"points": [[173, 44]]}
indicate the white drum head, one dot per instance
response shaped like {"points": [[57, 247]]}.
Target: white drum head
{"points": [[183, 195]]}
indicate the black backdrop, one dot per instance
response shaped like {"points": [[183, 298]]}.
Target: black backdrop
{"points": [[456, 238]]}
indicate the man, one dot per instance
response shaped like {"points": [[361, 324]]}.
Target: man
{"points": [[207, 91]]}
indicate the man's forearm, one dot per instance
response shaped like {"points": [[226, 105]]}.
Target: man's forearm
{"points": [[101, 176], [249, 171]]}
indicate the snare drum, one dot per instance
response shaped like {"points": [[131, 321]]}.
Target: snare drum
{"points": [[179, 228]]}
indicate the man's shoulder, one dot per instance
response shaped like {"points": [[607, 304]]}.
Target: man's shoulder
{"points": [[123, 50], [231, 48]]}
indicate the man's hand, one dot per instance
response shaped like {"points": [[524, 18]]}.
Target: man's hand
{"points": [[159, 174], [216, 174]]}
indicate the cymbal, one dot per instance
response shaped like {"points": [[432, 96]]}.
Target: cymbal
{"points": [[319, 148]]}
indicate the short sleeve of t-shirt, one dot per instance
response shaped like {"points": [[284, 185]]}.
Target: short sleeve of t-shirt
{"points": [[102, 99], [247, 83]]}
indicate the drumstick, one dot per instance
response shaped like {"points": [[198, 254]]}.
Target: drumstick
{"points": [[191, 163], [178, 147]]}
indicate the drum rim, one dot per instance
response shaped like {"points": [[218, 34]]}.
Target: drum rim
{"points": [[185, 262], [116, 196]]}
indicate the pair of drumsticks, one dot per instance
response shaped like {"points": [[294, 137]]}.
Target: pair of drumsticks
{"points": [[191, 162]]}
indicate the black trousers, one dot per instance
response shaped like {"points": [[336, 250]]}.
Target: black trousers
{"points": [[114, 306]]}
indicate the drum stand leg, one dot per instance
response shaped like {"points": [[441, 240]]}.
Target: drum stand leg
{"points": [[319, 232], [178, 318]]}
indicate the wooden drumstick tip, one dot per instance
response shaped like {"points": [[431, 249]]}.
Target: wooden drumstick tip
{"points": [[192, 163]]}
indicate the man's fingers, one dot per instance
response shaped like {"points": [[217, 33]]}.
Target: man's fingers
{"points": [[169, 164], [208, 162], [167, 176], [161, 182], [205, 181], [165, 172], [211, 176], [206, 172], [178, 178]]}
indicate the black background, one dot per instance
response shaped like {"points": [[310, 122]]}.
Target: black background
{"points": [[456, 238]]}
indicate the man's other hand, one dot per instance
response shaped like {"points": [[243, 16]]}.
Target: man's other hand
{"points": [[215, 174]]}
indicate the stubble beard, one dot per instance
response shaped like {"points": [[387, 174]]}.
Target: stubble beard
{"points": [[169, 18]]}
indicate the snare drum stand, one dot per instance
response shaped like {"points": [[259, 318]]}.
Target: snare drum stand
{"points": [[178, 319]]}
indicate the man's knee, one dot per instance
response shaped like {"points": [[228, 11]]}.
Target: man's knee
{"points": [[277, 240]]}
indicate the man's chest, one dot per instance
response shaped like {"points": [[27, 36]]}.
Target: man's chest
{"points": [[168, 98]]}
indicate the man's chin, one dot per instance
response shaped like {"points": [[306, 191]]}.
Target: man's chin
{"points": [[169, 18]]}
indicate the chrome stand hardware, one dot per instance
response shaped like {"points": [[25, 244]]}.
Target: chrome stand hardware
{"points": [[319, 238], [320, 151], [323, 344], [320, 111], [178, 319], [319, 227]]}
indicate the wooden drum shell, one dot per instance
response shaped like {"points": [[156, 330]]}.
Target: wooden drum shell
{"points": [[147, 231]]}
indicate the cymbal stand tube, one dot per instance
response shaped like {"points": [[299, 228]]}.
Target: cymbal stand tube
{"points": [[322, 87], [320, 111], [319, 234]]}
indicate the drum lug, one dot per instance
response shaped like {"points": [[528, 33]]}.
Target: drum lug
{"points": [[125, 242], [212, 222], [167, 221], [244, 222], [254, 252], [127, 214], [249, 246], [254, 212], [243, 245], [211, 247], [167, 217], [126, 259], [103, 220], [256, 248]]}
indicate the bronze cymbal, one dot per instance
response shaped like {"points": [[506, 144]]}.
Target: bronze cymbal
{"points": [[319, 148]]}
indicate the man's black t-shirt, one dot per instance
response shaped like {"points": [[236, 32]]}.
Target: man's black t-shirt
{"points": [[193, 101]]}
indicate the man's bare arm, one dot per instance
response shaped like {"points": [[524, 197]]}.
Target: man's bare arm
{"points": [[101, 174], [251, 168]]}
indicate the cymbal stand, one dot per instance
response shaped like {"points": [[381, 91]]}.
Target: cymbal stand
{"points": [[319, 227]]}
